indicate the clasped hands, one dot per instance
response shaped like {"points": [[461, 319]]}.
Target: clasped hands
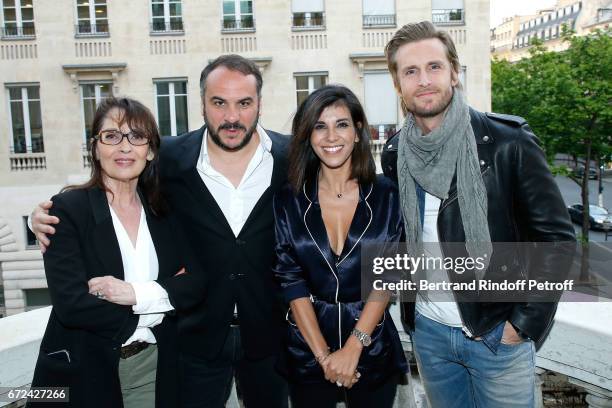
{"points": [[340, 367]]}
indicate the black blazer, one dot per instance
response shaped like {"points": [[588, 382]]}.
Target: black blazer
{"points": [[237, 269], [92, 330], [307, 267]]}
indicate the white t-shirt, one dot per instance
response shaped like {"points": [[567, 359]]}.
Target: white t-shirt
{"points": [[441, 311]]}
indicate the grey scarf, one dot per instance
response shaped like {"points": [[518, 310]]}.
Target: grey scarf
{"points": [[431, 161]]}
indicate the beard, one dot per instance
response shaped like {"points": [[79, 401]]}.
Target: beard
{"points": [[248, 135], [435, 110]]}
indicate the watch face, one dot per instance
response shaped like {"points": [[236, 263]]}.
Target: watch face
{"points": [[367, 341]]}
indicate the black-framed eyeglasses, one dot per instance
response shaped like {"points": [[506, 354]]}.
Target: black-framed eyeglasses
{"points": [[114, 137]]}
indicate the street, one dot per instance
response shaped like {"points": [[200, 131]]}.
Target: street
{"points": [[571, 194]]}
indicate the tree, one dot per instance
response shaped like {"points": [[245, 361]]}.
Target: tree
{"points": [[566, 97]]}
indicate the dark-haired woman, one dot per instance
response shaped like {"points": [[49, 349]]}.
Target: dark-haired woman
{"points": [[339, 346], [110, 341]]}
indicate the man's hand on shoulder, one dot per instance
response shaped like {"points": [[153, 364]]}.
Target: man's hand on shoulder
{"points": [[42, 224]]}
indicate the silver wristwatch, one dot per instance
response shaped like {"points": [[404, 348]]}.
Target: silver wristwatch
{"points": [[363, 338]]}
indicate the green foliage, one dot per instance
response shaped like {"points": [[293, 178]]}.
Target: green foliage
{"points": [[565, 96]]}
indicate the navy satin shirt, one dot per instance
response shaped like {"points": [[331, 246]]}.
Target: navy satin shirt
{"points": [[307, 267]]}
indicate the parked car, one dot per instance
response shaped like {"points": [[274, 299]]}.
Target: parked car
{"points": [[599, 217], [579, 171]]}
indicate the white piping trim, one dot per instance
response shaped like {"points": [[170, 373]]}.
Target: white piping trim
{"points": [[328, 264], [364, 231], [317, 245]]}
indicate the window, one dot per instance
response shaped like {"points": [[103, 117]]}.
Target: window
{"points": [[378, 13], [36, 298], [576, 7], [92, 18], [380, 104], [18, 19], [26, 121], [91, 95], [238, 15], [171, 98], [447, 12], [30, 239], [463, 78], [307, 14], [306, 83], [166, 15], [568, 10]]}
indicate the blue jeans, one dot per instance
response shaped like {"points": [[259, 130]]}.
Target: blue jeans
{"points": [[458, 372]]}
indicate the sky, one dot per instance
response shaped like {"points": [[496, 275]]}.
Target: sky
{"points": [[506, 8]]}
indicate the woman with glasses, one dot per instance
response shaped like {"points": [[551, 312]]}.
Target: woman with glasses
{"points": [[114, 254], [340, 345]]}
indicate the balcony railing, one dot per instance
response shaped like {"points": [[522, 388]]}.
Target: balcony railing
{"points": [[18, 32], [381, 20], [92, 30], [448, 17], [314, 22], [86, 156], [242, 24], [28, 161], [163, 27]]}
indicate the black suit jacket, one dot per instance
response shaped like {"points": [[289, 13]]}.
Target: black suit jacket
{"points": [[91, 330], [237, 270]]}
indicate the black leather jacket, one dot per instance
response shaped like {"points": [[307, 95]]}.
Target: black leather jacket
{"points": [[525, 205]]}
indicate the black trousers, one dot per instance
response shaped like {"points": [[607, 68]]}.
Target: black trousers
{"points": [[208, 383], [328, 394]]}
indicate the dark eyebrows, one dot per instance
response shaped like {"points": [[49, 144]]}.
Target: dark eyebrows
{"points": [[320, 122]]}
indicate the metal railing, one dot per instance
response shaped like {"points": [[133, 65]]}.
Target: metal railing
{"points": [[18, 32], [300, 21], [382, 20], [246, 23], [448, 16], [90, 30], [175, 26]]}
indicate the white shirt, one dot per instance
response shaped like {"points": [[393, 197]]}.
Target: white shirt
{"points": [[442, 312], [140, 268], [236, 203]]}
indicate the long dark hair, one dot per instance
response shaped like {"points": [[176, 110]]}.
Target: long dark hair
{"points": [[304, 162], [137, 116]]}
